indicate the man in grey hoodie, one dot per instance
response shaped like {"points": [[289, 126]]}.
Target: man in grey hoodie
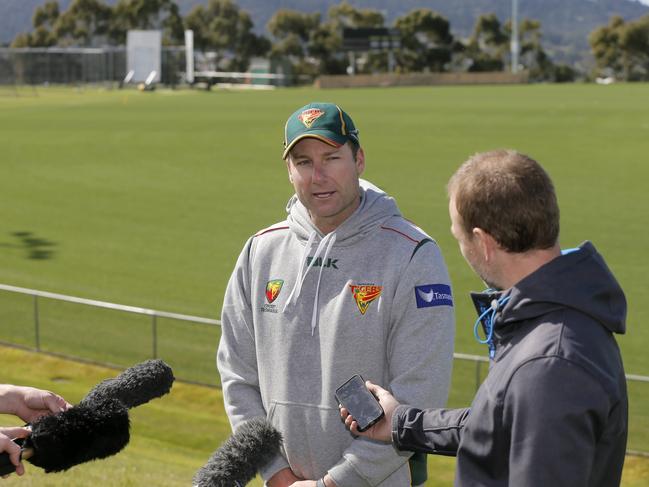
{"points": [[553, 408], [344, 285]]}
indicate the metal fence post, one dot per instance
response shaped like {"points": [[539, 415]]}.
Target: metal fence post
{"points": [[154, 331], [37, 333]]}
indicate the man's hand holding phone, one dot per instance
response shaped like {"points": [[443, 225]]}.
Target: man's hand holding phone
{"points": [[381, 430]]}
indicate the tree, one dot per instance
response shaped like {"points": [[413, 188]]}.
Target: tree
{"points": [[343, 15], [222, 26], [84, 23], [346, 15], [564, 73], [606, 46], [291, 31], [634, 42], [487, 45], [147, 14], [43, 20], [532, 55], [621, 49], [92, 22], [288, 23], [46, 15], [426, 41], [325, 47], [315, 47]]}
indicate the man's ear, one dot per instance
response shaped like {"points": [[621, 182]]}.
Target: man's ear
{"points": [[487, 245], [360, 161]]}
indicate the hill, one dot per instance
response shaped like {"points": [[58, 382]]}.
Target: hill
{"points": [[566, 23]]}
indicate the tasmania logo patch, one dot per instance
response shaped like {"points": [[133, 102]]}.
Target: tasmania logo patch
{"points": [[364, 294], [273, 289], [307, 117], [430, 295]]}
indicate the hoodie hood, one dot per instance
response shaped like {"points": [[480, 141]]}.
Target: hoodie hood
{"points": [[375, 208], [578, 279]]}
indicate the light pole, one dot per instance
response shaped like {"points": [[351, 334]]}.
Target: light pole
{"points": [[514, 39]]}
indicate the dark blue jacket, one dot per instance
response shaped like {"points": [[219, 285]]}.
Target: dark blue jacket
{"points": [[552, 411]]}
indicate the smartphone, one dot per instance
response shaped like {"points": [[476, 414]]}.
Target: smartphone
{"points": [[361, 403]]}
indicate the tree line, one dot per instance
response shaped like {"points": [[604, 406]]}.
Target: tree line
{"points": [[621, 49], [313, 44]]}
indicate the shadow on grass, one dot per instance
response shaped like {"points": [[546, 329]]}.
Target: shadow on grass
{"points": [[35, 248]]}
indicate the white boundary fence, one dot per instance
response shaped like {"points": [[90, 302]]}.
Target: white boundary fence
{"points": [[155, 314]]}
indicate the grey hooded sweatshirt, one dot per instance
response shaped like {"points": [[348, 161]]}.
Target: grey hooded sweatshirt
{"points": [[553, 408], [304, 311]]}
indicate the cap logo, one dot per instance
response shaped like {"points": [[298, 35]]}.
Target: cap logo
{"points": [[364, 294], [307, 117]]}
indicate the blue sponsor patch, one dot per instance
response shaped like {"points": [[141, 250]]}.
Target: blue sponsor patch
{"points": [[430, 295]]}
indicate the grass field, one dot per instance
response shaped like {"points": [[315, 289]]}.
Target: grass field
{"points": [[146, 199], [171, 437]]}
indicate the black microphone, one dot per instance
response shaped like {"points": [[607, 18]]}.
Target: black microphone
{"points": [[135, 386], [98, 426], [237, 460], [77, 435]]}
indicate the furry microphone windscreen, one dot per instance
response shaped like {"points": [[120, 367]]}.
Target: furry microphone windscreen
{"points": [[238, 459], [135, 386], [78, 435]]}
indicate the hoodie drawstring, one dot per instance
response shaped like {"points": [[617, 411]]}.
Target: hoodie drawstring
{"points": [[325, 244], [301, 275], [489, 325], [314, 317]]}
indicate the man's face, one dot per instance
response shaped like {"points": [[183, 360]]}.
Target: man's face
{"points": [[469, 246], [325, 179]]}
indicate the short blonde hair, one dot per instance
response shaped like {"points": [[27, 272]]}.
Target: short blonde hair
{"points": [[508, 195]]}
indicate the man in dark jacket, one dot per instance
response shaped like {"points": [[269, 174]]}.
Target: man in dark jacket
{"points": [[553, 408]]}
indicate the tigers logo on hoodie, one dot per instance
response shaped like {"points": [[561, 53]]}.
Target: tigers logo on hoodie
{"points": [[364, 294]]}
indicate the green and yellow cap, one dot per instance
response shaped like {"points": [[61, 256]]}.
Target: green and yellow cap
{"points": [[322, 121]]}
